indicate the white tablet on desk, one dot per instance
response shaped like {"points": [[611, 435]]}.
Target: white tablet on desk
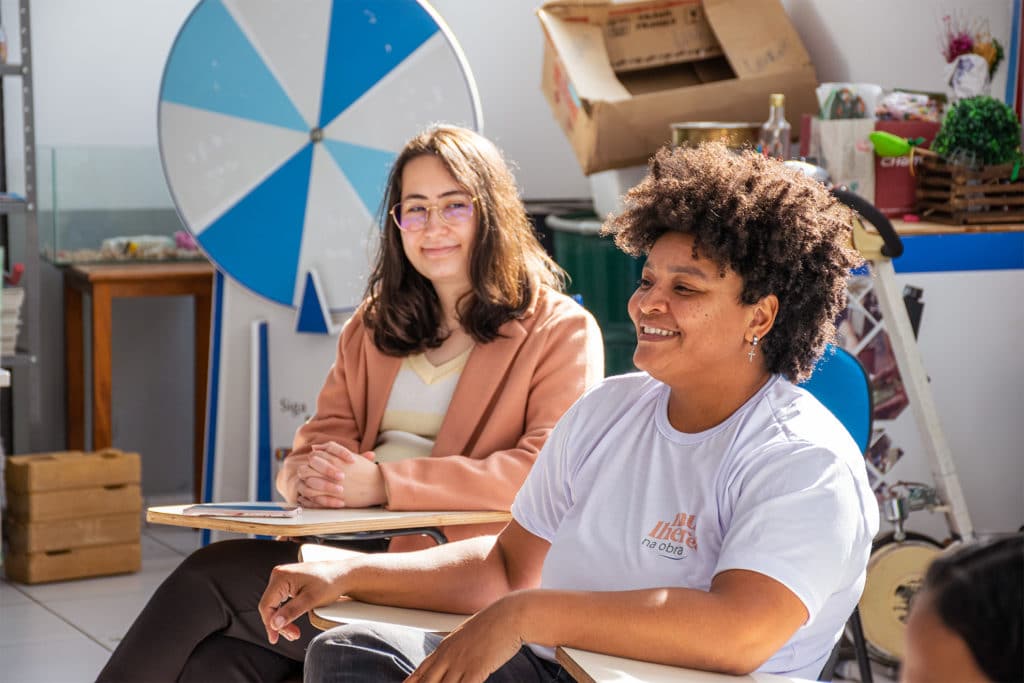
{"points": [[242, 510]]}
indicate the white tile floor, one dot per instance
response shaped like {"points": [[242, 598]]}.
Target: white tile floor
{"points": [[64, 632]]}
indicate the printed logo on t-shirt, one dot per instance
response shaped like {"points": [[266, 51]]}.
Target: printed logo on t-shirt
{"points": [[673, 540]]}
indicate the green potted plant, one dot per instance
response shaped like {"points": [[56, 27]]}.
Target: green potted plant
{"points": [[979, 131]]}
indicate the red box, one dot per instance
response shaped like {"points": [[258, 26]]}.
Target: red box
{"points": [[895, 185]]}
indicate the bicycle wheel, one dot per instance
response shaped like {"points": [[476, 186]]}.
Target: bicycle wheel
{"points": [[895, 572]]}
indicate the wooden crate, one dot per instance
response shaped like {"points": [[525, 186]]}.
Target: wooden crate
{"points": [[80, 532], [72, 514], [74, 563], [66, 470], [46, 506], [958, 195]]}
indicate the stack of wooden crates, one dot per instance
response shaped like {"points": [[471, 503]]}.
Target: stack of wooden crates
{"points": [[72, 515]]}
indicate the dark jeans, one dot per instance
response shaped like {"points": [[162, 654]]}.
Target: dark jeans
{"points": [[380, 653], [202, 623]]}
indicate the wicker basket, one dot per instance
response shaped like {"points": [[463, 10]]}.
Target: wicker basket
{"points": [[948, 193]]}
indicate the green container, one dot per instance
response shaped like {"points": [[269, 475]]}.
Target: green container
{"points": [[603, 277], [619, 345]]}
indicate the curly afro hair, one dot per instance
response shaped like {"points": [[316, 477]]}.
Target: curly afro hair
{"points": [[780, 230]]}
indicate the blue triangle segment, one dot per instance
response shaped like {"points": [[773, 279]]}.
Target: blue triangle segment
{"points": [[366, 168], [367, 40], [311, 312], [213, 66], [257, 240]]}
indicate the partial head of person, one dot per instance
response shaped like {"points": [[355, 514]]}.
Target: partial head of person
{"points": [[453, 228], [967, 621], [746, 268]]}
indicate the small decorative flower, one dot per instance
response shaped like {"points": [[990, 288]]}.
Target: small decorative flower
{"points": [[961, 36]]}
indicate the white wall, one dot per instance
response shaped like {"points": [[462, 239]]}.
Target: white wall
{"points": [[894, 43], [98, 66], [977, 381]]}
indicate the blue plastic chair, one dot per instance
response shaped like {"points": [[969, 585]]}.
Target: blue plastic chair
{"points": [[841, 384]]}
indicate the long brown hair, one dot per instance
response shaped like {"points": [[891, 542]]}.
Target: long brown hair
{"points": [[507, 263]]}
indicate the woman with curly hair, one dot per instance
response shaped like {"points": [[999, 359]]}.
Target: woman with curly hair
{"points": [[705, 512]]}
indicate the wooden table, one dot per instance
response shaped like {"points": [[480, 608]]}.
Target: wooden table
{"points": [[911, 228], [104, 283], [324, 522]]}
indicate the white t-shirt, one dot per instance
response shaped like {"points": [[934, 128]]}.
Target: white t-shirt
{"points": [[779, 488]]}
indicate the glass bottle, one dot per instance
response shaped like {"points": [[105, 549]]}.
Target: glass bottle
{"points": [[773, 141]]}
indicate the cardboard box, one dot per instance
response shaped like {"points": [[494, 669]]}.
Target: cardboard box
{"points": [[50, 505], [38, 537], [617, 74], [75, 563], [71, 470], [645, 35]]}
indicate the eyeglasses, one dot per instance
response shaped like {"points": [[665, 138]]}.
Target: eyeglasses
{"points": [[412, 215]]}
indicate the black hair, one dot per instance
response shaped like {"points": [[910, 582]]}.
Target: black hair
{"points": [[781, 231], [978, 592]]}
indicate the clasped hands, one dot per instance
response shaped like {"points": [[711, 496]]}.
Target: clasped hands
{"points": [[332, 476]]}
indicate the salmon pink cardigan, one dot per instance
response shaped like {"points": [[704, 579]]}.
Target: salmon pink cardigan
{"points": [[511, 392]]}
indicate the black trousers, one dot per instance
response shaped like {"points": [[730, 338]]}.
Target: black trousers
{"points": [[202, 623]]}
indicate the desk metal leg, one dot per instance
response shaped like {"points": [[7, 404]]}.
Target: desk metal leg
{"points": [[431, 531], [74, 366], [102, 434], [202, 363]]}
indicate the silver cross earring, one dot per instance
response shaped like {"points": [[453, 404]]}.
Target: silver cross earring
{"points": [[753, 348]]}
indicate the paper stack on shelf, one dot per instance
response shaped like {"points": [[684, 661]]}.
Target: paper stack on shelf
{"points": [[10, 318]]}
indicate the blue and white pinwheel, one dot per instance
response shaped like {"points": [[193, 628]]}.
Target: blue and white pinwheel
{"points": [[278, 122]]}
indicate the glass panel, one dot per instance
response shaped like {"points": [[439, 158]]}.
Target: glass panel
{"points": [[108, 203]]}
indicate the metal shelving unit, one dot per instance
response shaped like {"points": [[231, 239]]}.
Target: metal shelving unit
{"points": [[25, 371]]}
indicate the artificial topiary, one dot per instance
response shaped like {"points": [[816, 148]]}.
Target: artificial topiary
{"points": [[979, 131]]}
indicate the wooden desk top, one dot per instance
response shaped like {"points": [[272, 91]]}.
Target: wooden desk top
{"points": [[97, 272], [322, 522], [347, 611], [591, 667], [912, 228], [585, 667]]}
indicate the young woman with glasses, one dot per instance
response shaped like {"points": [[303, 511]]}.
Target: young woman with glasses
{"points": [[447, 381]]}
